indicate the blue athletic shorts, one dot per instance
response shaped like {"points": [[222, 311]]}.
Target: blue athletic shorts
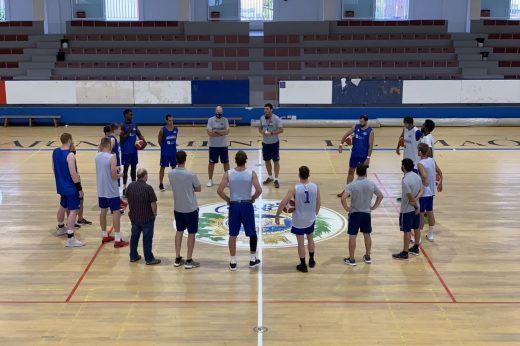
{"points": [[70, 202], [129, 159], [359, 221], [113, 203], [241, 214], [216, 153], [408, 221], [168, 160], [356, 160], [303, 231], [189, 221], [271, 151], [426, 203]]}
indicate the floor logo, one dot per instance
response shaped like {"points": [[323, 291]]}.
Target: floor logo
{"points": [[213, 225]]}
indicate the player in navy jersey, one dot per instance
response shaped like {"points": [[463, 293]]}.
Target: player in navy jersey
{"points": [[168, 142], [68, 186], [128, 138], [362, 144]]}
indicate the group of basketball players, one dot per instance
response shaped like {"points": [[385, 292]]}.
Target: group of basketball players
{"points": [[418, 185]]}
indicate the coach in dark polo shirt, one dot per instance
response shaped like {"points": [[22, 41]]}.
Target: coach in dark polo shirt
{"points": [[143, 210]]}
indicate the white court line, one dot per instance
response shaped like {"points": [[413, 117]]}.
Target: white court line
{"points": [[260, 297]]}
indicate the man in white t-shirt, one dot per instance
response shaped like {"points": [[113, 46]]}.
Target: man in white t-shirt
{"points": [[427, 138]]}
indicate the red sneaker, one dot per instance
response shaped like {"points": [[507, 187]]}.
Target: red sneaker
{"points": [[120, 243], [107, 239]]}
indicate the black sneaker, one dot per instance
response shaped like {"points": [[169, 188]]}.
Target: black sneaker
{"points": [[367, 259], [302, 268], [276, 184], [267, 181], [84, 221], [312, 263], [153, 262], [178, 262], [414, 250], [232, 267], [254, 263], [398, 199], [135, 259], [161, 187], [350, 262], [124, 193], [77, 225], [401, 256]]}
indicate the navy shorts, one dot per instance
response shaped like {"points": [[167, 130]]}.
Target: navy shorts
{"points": [[271, 151], [303, 231], [189, 221], [70, 202], [241, 214], [113, 203], [218, 153], [408, 221], [129, 159], [169, 160], [426, 203], [356, 160], [359, 221]]}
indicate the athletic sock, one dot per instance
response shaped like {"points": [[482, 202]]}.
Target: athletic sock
{"points": [[104, 234], [302, 260], [252, 257], [271, 177], [70, 233], [62, 225], [311, 255], [118, 236], [431, 229], [233, 259]]}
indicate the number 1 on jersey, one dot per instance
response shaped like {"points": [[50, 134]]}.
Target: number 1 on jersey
{"points": [[307, 197]]}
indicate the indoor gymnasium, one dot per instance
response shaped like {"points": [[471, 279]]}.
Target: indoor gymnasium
{"points": [[259, 172]]}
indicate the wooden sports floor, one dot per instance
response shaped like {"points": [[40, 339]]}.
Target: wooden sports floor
{"points": [[464, 288]]}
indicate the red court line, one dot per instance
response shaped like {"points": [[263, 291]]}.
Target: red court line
{"points": [[87, 268], [439, 276]]}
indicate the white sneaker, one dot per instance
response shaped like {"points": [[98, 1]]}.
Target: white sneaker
{"points": [[429, 236], [60, 231], [73, 242], [210, 183]]}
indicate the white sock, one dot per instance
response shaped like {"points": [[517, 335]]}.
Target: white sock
{"points": [[275, 179], [233, 259], [431, 229], [104, 234], [70, 231], [252, 257], [118, 236], [271, 177]]}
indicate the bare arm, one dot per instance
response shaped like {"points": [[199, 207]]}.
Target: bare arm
{"points": [[277, 131], [220, 191], [197, 188], [113, 168], [371, 143], [284, 201], [159, 137], [211, 133], [71, 162], [344, 201], [258, 188], [260, 128], [348, 133], [379, 199], [398, 149], [318, 201], [139, 135], [439, 173], [154, 208]]}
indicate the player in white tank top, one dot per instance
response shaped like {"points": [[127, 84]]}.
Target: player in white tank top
{"points": [[307, 201], [412, 136], [428, 170], [427, 129], [241, 182]]}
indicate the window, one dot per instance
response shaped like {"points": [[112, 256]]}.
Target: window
{"points": [[514, 11], [251, 10], [121, 10], [392, 9], [2, 10]]}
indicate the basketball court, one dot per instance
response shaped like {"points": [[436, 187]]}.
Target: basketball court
{"points": [[464, 284]]}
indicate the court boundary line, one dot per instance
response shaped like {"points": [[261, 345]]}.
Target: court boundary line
{"points": [[86, 270], [432, 266], [260, 285]]}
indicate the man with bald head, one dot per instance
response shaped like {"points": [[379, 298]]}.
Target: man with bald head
{"points": [[217, 129]]}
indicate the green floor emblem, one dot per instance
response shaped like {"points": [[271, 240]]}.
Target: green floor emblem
{"points": [[213, 225]]}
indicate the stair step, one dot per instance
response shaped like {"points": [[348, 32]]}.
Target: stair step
{"points": [[478, 64], [44, 58], [39, 73], [31, 78], [474, 71], [474, 50], [37, 65], [46, 44], [40, 51]]}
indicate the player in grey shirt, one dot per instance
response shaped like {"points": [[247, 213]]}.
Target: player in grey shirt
{"points": [[412, 190], [186, 210], [217, 129], [270, 127], [361, 192]]}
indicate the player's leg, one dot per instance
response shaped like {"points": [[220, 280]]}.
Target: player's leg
{"points": [[311, 247], [180, 224], [148, 230], [60, 217], [234, 229], [213, 158], [134, 242], [133, 171], [276, 160], [73, 203], [405, 225], [368, 247], [247, 216], [116, 222], [161, 178], [267, 156], [431, 220], [352, 247], [350, 174], [224, 158], [366, 229], [354, 224], [301, 253], [193, 227], [269, 169]]}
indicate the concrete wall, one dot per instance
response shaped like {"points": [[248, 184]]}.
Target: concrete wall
{"points": [[499, 8], [164, 10], [457, 12], [57, 14], [20, 9], [300, 10]]}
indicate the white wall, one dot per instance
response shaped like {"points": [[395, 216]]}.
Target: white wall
{"points": [[331, 9], [20, 9], [302, 10], [198, 10], [57, 14], [164, 10], [455, 11], [425, 9], [499, 8]]}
